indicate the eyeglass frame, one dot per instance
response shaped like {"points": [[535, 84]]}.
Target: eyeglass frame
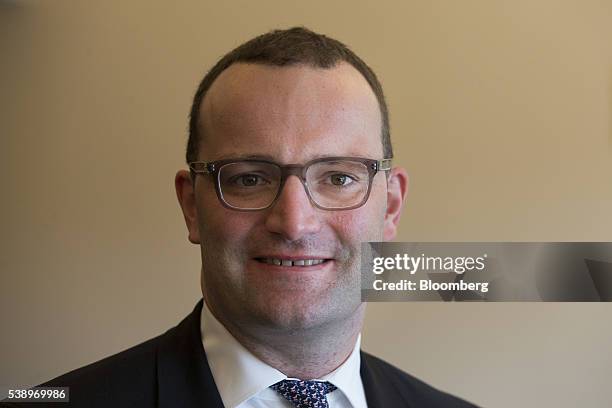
{"points": [[214, 167]]}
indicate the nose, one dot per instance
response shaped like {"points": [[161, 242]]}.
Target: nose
{"points": [[293, 215]]}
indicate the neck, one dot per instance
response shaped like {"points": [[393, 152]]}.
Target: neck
{"points": [[301, 353]]}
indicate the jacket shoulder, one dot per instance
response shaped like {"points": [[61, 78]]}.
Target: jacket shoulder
{"points": [[128, 378], [398, 388], [168, 370]]}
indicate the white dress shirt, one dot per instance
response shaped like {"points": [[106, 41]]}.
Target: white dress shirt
{"points": [[243, 380]]}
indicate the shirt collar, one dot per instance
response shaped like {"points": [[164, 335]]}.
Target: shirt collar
{"points": [[348, 379], [239, 375]]}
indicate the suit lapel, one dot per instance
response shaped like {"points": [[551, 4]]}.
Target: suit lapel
{"points": [[183, 375], [378, 392]]}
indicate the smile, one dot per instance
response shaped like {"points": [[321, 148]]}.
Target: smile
{"points": [[291, 262]]}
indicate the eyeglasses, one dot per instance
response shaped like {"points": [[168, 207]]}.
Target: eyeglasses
{"points": [[331, 183]]}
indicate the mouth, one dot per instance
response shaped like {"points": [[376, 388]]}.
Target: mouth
{"points": [[299, 262]]}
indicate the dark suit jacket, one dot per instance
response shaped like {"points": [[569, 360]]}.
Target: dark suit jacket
{"points": [[171, 370]]}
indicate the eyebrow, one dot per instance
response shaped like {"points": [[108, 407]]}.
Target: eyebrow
{"points": [[274, 159], [246, 156]]}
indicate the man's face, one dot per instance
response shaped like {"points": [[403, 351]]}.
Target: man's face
{"points": [[289, 115]]}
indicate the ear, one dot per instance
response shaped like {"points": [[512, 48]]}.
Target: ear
{"points": [[397, 188], [186, 197]]}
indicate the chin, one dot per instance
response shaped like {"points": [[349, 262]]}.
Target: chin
{"points": [[300, 314], [291, 316]]}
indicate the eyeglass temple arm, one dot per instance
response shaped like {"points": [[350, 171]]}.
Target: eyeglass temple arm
{"points": [[383, 165], [202, 167]]}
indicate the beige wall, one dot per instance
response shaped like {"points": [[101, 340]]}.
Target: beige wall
{"points": [[501, 112]]}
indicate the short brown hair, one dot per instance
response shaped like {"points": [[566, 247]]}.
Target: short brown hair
{"points": [[297, 45]]}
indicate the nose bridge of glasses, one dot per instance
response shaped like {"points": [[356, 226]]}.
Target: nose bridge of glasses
{"points": [[293, 170]]}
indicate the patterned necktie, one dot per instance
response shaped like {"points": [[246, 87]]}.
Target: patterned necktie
{"points": [[304, 394]]}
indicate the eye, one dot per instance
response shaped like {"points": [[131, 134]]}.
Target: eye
{"points": [[340, 179], [248, 180]]}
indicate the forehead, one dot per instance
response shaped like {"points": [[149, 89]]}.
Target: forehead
{"points": [[291, 114]]}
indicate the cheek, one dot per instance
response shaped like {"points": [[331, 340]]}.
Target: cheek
{"points": [[363, 224], [221, 225]]}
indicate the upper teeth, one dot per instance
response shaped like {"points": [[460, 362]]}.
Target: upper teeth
{"points": [[297, 262]]}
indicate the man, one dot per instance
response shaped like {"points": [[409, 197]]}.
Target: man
{"points": [[289, 172]]}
